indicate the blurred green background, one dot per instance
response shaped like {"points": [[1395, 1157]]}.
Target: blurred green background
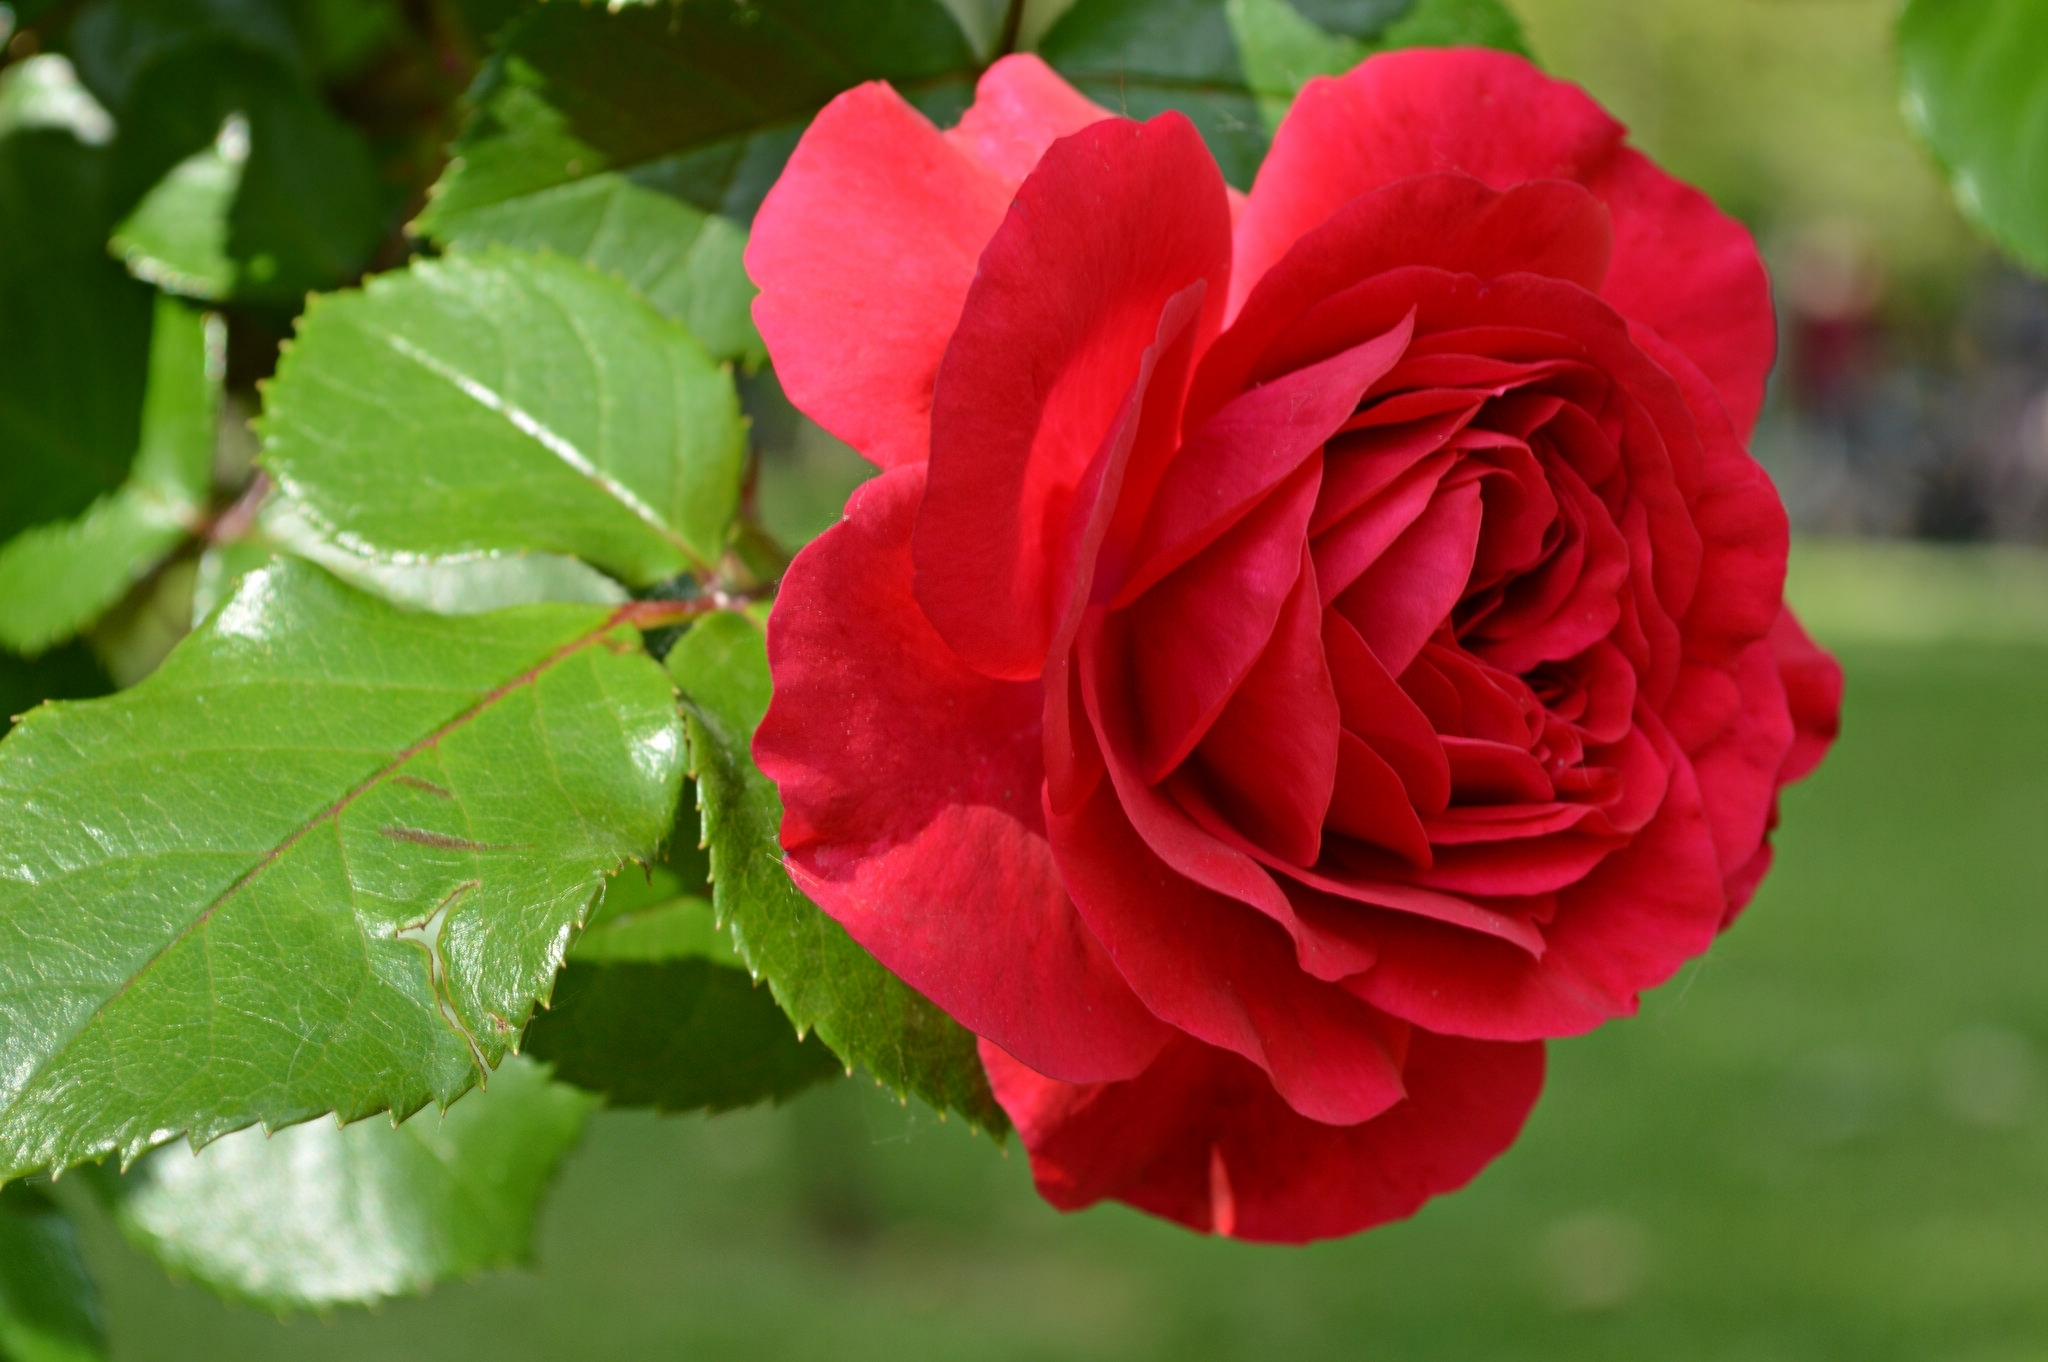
{"points": [[1828, 1140]]}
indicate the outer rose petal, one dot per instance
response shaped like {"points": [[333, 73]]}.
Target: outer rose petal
{"points": [[1813, 687], [1042, 363], [1201, 1138], [1021, 107], [1680, 265], [911, 790], [864, 251]]}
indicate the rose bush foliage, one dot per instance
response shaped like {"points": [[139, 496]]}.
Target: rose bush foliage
{"points": [[1304, 649]]}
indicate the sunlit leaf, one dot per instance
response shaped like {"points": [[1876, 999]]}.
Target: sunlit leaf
{"points": [[507, 402], [326, 858]]}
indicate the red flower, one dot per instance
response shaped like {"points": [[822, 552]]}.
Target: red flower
{"points": [[1303, 650]]}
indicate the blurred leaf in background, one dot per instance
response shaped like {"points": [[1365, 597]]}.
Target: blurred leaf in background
{"points": [[231, 175], [1975, 77], [319, 1215], [49, 1308], [57, 578]]}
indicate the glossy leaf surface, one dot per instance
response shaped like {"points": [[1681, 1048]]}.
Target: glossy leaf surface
{"points": [[1976, 86], [506, 402], [820, 976], [49, 1307], [318, 1215], [55, 579], [326, 858]]}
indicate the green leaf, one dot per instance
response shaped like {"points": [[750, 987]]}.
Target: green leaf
{"points": [[74, 333], [620, 136], [67, 673], [49, 1307], [242, 183], [317, 1215], [443, 586], [507, 188], [55, 579], [325, 858], [677, 1035], [703, 99], [1976, 88], [177, 237], [1233, 66], [681, 927], [506, 402], [1444, 23], [44, 92], [820, 975]]}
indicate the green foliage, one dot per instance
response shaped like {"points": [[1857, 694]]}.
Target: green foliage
{"points": [[1232, 66], [69, 673], [325, 859], [318, 1215], [619, 136], [504, 402], [676, 1034], [231, 174], [58, 578], [74, 332], [49, 1307], [820, 976], [508, 187], [702, 99], [1976, 88]]}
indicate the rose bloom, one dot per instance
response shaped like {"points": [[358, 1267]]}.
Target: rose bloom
{"points": [[1303, 649]]}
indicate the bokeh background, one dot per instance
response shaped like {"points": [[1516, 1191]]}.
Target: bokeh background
{"points": [[1828, 1140]]}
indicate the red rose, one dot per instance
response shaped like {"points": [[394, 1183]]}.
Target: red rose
{"points": [[1304, 649]]}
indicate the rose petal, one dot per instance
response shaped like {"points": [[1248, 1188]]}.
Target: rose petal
{"points": [[1470, 112], [912, 815], [1813, 688], [1691, 272], [1271, 756], [1446, 222], [1021, 107], [1187, 657], [1246, 450], [1201, 1138], [1220, 971], [1408, 592], [1679, 265], [864, 251], [1041, 363]]}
